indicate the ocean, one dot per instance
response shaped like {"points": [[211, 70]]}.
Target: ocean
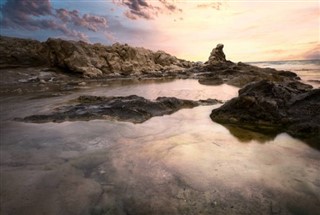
{"points": [[307, 70]]}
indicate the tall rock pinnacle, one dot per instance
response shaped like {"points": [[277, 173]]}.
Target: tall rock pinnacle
{"points": [[217, 55]]}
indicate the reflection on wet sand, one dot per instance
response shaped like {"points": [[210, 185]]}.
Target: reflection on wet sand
{"points": [[176, 164], [262, 136], [245, 135]]}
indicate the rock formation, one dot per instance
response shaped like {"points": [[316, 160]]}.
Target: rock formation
{"points": [[217, 70], [22, 52], [131, 108], [217, 56], [240, 74], [99, 61], [267, 106], [89, 60]]}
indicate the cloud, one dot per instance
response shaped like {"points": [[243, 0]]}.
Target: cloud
{"points": [[214, 5], [313, 53], [17, 13], [137, 9], [91, 22], [136, 5], [127, 33], [140, 9], [170, 7], [35, 15]]}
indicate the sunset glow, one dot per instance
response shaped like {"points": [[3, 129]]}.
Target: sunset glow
{"points": [[250, 30]]}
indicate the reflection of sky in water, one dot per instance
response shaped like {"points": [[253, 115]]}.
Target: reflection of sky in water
{"points": [[183, 89], [186, 144]]}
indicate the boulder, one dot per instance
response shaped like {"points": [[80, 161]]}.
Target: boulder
{"points": [[76, 57], [267, 106]]}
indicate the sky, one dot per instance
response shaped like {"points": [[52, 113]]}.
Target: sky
{"points": [[252, 30]]}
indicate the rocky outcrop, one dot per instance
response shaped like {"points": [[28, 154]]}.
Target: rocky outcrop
{"points": [[89, 60], [99, 61], [239, 74], [272, 107], [217, 56], [217, 70], [23, 52], [133, 109]]}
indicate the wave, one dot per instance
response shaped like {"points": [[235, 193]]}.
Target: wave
{"points": [[307, 70], [295, 65]]}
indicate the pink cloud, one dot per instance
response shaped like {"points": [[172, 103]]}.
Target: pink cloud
{"points": [[313, 53], [141, 9], [214, 5]]}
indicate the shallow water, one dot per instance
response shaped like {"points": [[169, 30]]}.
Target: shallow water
{"points": [[176, 164]]}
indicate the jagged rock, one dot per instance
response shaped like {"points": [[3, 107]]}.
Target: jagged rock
{"points": [[164, 59], [218, 70], [217, 56], [131, 108], [116, 61], [266, 106], [75, 56], [89, 60], [240, 74], [22, 52]]}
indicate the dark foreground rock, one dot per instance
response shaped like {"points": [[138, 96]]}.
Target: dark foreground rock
{"points": [[133, 109], [270, 107]]}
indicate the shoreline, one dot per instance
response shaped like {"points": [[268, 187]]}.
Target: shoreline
{"points": [[176, 159]]}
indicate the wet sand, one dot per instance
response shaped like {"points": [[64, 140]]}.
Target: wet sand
{"points": [[178, 164]]}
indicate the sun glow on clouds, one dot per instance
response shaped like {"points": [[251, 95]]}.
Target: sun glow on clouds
{"points": [[250, 30]]}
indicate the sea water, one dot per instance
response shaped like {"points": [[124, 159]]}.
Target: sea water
{"points": [[308, 70], [183, 163]]}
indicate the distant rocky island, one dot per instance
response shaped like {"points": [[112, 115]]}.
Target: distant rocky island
{"points": [[270, 100]]}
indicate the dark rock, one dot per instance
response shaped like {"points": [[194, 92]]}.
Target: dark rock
{"points": [[131, 108], [240, 74], [218, 70], [23, 52], [267, 106]]}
